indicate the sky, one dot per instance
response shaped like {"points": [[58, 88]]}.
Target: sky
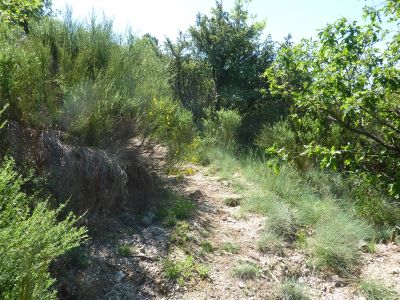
{"points": [[164, 18]]}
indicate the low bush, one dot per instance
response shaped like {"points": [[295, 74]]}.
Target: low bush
{"points": [[222, 128], [31, 237]]}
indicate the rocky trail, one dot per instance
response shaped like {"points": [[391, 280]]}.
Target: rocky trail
{"points": [[127, 262]]}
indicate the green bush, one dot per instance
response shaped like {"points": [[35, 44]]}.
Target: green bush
{"points": [[30, 239], [222, 128], [278, 134], [170, 124]]}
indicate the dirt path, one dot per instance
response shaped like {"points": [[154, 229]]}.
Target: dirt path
{"points": [[125, 261], [227, 225]]}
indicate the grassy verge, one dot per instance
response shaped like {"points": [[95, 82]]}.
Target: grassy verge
{"points": [[312, 210]]}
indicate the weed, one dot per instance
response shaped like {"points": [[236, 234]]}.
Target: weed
{"points": [[203, 271], [270, 242], [292, 290], [376, 291], [371, 246], [174, 208], [180, 235], [124, 250], [183, 269], [246, 270], [231, 247], [207, 247]]}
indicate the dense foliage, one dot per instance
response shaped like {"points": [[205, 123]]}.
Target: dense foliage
{"points": [[30, 239], [344, 90], [219, 95]]}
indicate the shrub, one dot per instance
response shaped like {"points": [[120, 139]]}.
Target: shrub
{"points": [[30, 239], [223, 127], [170, 124], [279, 135]]}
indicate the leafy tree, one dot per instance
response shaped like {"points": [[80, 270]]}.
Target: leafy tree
{"points": [[190, 77], [21, 11], [345, 79], [233, 50]]}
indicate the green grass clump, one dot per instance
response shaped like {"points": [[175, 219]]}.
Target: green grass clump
{"points": [[335, 245], [270, 242], [231, 247], [124, 250], [375, 291], [174, 208], [281, 220], [206, 247], [246, 270], [292, 290], [184, 269]]}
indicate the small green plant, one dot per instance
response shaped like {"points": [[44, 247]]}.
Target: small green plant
{"points": [[180, 235], [375, 291], [124, 250], [246, 270], [270, 242], [292, 290], [175, 208], [183, 269], [203, 271], [371, 246], [206, 247], [231, 247]]}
